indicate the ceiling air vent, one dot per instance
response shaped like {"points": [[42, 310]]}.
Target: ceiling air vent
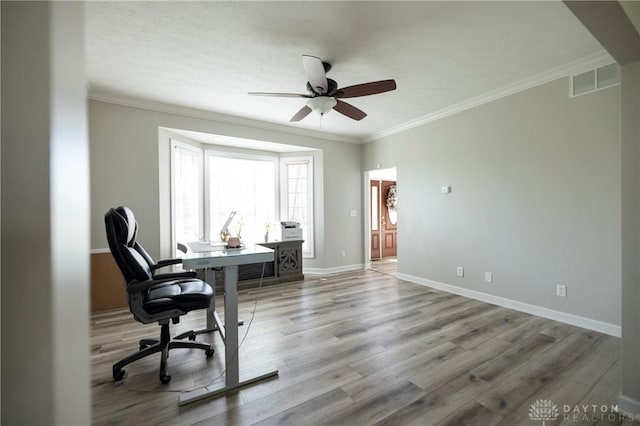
{"points": [[590, 81]]}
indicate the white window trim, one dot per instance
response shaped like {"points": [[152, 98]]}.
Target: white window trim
{"points": [[310, 252], [176, 144]]}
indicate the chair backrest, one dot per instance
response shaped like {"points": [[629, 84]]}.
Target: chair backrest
{"points": [[122, 229]]}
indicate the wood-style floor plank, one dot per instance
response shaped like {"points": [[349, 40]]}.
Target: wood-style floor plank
{"points": [[359, 348], [514, 388], [440, 403]]}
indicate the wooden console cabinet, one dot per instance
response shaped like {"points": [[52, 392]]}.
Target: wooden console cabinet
{"points": [[287, 266]]}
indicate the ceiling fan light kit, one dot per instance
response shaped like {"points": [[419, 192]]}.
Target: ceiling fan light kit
{"points": [[321, 104], [325, 95]]}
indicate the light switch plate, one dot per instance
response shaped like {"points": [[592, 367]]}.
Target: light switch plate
{"points": [[561, 290]]}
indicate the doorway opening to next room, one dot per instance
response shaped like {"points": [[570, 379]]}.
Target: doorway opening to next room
{"points": [[382, 223]]}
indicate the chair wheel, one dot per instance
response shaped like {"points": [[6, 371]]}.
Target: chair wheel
{"points": [[165, 378], [209, 352], [118, 375]]}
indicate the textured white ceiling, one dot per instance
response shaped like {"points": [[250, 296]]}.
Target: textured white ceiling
{"points": [[208, 55]]}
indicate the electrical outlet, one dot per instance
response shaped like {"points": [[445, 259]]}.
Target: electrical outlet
{"points": [[488, 277], [561, 290], [343, 254], [460, 271]]}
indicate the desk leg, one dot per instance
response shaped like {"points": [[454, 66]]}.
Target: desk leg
{"points": [[213, 322], [231, 325], [210, 278]]}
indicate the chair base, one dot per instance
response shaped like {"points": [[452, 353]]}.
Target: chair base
{"points": [[152, 346]]}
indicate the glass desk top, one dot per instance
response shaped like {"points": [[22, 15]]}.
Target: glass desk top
{"points": [[220, 257]]}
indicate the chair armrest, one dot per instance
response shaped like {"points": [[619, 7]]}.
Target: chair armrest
{"points": [[174, 275], [166, 262]]}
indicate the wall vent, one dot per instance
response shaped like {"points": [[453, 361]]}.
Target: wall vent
{"points": [[596, 79]]}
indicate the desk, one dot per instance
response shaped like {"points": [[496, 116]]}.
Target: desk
{"points": [[285, 267], [229, 261]]}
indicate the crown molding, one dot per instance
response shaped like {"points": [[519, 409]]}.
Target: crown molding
{"points": [[582, 65], [212, 116], [585, 64]]}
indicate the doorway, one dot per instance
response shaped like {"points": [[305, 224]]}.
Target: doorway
{"points": [[382, 229]]}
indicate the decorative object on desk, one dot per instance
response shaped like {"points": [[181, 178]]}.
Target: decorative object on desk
{"points": [[224, 232], [239, 227], [267, 228], [234, 242]]}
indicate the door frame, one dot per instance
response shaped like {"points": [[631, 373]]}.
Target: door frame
{"points": [[379, 174], [377, 184]]}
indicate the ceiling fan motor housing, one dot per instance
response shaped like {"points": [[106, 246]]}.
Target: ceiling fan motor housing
{"points": [[332, 86]]}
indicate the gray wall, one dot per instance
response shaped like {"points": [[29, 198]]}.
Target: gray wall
{"points": [[125, 170], [45, 216], [535, 199], [630, 347]]}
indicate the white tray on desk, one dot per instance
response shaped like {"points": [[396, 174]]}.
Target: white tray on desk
{"points": [[205, 246]]}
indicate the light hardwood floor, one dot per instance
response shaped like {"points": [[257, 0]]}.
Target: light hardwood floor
{"points": [[362, 348]]}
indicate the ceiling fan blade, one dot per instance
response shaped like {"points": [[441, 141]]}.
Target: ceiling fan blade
{"points": [[349, 110], [365, 89], [304, 111], [279, 95], [316, 75]]}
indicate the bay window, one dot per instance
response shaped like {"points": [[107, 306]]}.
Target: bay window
{"points": [[262, 189]]}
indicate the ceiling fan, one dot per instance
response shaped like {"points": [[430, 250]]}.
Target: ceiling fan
{"points": [[324, 93]]}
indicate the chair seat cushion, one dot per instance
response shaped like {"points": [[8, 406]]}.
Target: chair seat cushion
{"points": [[183, 294]]}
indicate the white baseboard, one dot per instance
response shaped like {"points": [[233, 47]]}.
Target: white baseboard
{"points": [[335, 270], [628, 406], [588, 323]]}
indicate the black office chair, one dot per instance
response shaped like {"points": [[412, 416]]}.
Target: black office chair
{"points": [[153, 297]]}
